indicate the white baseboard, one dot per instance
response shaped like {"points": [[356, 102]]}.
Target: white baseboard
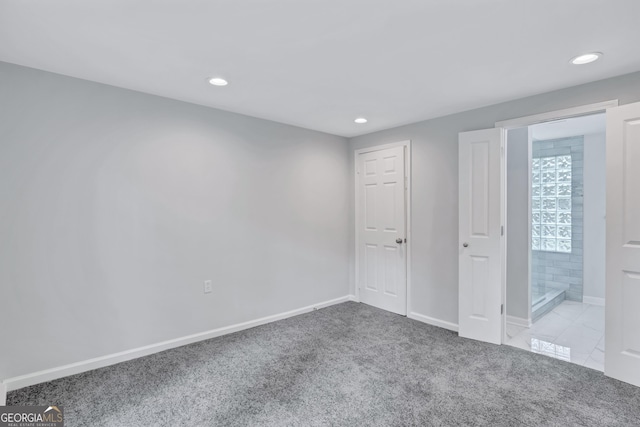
{"points": [[353, 298], [3, 394], [519, 321], [100, 362], [434, 322], [593, 300]]}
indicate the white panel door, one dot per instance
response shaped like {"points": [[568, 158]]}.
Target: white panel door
{"points": [[382, 260], [622, 325], [480, 251]]}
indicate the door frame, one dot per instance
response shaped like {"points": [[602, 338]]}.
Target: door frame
{"points": [[519, 122], [518, 321], [407, 165]]}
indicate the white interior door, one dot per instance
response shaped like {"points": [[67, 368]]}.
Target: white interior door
{"points": [[480, 253], [382, 256], [622, 325]]}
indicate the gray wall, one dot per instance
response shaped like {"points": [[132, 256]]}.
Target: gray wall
{"points": [[518, 171], [555, 270], [434, 273], [116, 205], [595, 207]]}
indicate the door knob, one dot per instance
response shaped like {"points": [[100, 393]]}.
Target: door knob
{"points": [[465, 244], [399, 241]]}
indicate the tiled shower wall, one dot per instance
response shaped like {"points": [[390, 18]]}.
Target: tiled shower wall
{"points": [[555, 270]]}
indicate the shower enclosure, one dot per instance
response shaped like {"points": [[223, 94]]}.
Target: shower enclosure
{"points": [[556, 229]]}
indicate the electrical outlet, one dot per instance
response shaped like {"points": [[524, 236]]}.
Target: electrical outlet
{"points": [[208, 286]]}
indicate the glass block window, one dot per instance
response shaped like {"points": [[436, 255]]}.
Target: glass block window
{"points": [[551, 204]]}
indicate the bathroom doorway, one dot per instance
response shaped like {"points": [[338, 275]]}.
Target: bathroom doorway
{"points": [[556, 202]]}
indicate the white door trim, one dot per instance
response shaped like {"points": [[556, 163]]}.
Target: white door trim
{"points": [[503, 234], [581, 110], [356, 153]]}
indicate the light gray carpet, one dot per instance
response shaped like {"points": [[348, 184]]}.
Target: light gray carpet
{"points": [[345, 365]]}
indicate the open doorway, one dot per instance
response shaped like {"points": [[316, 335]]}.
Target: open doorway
{"points": [[556, 202], [485, 302]]}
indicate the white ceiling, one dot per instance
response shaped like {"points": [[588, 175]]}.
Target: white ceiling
{"points": [[321, 63], [575, 126]]}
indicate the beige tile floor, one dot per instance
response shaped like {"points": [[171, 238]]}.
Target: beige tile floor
{"points": [[572, 331]]}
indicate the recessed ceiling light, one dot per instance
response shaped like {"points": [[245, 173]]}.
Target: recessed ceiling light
{"points": [[218, 81], [586, 58], [360, 120]]}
